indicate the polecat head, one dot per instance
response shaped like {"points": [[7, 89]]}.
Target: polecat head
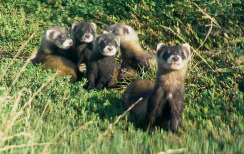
{"points": [[107, 44], [173, 57], [124, 32], [84, 31], [59, 36]]}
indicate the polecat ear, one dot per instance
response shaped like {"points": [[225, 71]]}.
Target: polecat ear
{"points": [[73, 26], [49, 33], [105, 32], [186, 47], [94, 26], [127, 29], [97, 39], [159, 46]]}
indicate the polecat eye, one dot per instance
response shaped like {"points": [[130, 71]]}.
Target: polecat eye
{"points": [[102, 44], [116, 45], [182, 54], [166, 55], [61, 37], [115, 31]]}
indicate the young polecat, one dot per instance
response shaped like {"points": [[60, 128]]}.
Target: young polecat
{"points": [[102, 62], [83, 35], [52, 57], [133, 56], [162, 102]]}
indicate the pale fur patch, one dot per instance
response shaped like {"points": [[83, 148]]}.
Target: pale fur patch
{"points": [[105, 32], [170, 59], [67, 44], [73, 25], [106, 52], [82, 67], [94, 25], [117, 40], [179, 64], [130, 35], [56, 34], [87, 40], [186, 45], [48, 32], [170, 96], [130, 30], [159, 46], [169, 63]]}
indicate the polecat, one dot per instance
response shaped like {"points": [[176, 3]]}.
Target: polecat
{"points": [[102, 62], [52, 54], [163, 101], [133, 54], [83, 35]]}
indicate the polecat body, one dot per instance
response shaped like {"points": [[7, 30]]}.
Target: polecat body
{"points": [[55, 42], [102, 62], [136, 90], [83, 35], [133, 55], [163, 101]]}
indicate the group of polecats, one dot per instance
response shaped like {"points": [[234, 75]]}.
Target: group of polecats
{"points": [[162, 101]]}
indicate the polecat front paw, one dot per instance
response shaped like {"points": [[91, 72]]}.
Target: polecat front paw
{"points": [[99, 86]]}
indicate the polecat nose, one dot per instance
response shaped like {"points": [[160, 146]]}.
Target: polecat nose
{"points": [[110, 49], [71, 43], [87, 36], [175, 58]]}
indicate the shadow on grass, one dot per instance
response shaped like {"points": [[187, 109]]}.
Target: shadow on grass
{"points": [[109, 105]]}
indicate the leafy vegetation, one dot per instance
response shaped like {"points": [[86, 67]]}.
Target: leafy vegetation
{"points": [[41, 114]]}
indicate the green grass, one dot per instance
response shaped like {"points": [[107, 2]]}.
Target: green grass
{"points": [[42, 115]]}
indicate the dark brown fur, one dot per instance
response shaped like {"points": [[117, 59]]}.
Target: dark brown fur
{"points": [[49, 55], [101, 66], [82, 50], [133, 55], [163, 102], [135, 91], [166, 102]]}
